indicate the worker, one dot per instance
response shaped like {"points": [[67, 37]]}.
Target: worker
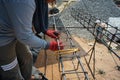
{"points": [[100, 26], [15, 36], [40, 26]]}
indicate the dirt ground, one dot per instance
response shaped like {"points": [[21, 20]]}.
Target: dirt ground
{"points": [[105, 66]]}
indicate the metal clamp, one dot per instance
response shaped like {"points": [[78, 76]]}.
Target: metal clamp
{"points": [[67, 51]]}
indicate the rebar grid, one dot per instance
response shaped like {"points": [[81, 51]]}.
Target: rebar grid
{"points": [[87, 21], [74, 55]]}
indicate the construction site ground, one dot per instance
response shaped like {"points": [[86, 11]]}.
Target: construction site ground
{"points": [[105, 64], [104, 61]]}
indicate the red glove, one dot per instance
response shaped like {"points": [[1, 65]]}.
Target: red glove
{"points": [[54, 45], [52, 33], [51, 1]]}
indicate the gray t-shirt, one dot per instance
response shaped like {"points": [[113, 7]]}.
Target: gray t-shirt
{"points": [[16, 23]]}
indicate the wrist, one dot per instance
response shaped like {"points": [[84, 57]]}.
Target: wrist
{"points": [[47, 45], [45, 32]]}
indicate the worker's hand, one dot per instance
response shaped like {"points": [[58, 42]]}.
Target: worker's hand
{"points": [[51, 1], [52, 33], [54, 45]]}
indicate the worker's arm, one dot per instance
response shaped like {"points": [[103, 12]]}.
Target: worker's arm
{"points": [[40, 18]]}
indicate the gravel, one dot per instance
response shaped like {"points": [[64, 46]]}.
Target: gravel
{"points": [[102, 9]]}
